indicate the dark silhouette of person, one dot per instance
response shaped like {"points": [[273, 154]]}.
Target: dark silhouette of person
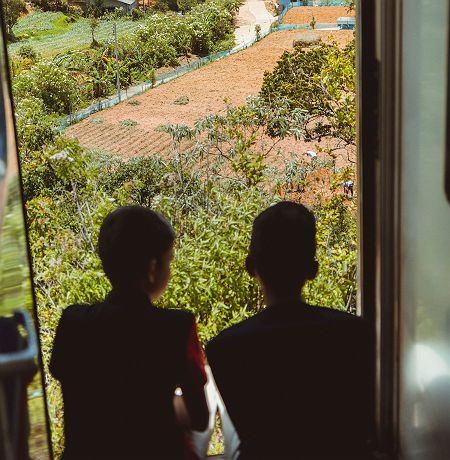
{"points": [[296, 379], [120, 361]]}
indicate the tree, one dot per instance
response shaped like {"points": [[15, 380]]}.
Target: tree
{"points": [[52, 5], [240, 141], [258, 32], [93, 24], [97, 8], [11, 13], [321, 83]]}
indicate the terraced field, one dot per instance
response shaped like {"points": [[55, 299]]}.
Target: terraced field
{"points": [[234, 78], [52, 33], [326, 14]]}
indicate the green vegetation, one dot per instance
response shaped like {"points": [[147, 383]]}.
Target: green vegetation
{"points": [[53, 33], [258, 32], [41, 24], [73, 79], [93, 24], [55, 5], [210, 187], [321, 83], [49, 83], [128, 123], [11, 13]]}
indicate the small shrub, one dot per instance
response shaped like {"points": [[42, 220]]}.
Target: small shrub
{"points": [[307, 39], [113, 15], [134, 102], [128, 123], [271, 7], [137, 14], [74, 12], [258, 32], [183, 100], [97, 121], [27, 51], [152, 77]]}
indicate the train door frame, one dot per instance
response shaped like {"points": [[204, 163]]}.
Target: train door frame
{"points": [[379, 135], [15, 363]]}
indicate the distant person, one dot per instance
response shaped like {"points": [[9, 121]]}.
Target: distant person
{"points": [[348, 188], [120, 361], [296, 379], [311, 154]]}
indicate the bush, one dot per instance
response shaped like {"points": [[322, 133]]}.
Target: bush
{"points": [[52, 5], [137, 14], [335, 284], [208, 273], [11, 12], [307, 39], [55, 169], [50, 83], [27, 51], [34, 127], [75, 12], [186, 5]]}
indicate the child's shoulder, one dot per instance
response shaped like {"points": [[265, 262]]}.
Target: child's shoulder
{"points": [[177, 313], [174, 315]]}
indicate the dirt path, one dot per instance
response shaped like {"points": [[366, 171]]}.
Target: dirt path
{"points": [[252, 12], [235, 78]]}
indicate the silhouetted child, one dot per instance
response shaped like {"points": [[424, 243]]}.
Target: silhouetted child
{"points": [[120, 361], [296, 379]]}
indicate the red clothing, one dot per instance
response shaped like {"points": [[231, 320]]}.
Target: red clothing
{"points": [[196, 359], [195, 376]]}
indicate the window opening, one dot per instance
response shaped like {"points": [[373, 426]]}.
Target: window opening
{"points": [[128, 105]]}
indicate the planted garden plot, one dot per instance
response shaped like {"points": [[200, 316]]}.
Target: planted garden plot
{"points": [[321, 14], [51, 33], [232, 79]]}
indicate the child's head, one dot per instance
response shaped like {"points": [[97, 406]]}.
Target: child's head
{"points": [[136, 246], [283, 247]]}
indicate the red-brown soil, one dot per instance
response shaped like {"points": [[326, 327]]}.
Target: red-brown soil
{"points": [[235, 78], [326, 14]]}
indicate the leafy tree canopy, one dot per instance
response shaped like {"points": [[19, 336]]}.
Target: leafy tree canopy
{"points": [[321, 83], [51, 83], [11, 13]]}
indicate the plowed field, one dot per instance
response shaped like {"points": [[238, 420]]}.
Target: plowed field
{"points": [[235, 78], [326, 14]]}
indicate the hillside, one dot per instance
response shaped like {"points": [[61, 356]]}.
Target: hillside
{"points": [[52, 33], [234, 78]]}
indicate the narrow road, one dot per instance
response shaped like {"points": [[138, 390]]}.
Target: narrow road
{"points": [[252, 12]]}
